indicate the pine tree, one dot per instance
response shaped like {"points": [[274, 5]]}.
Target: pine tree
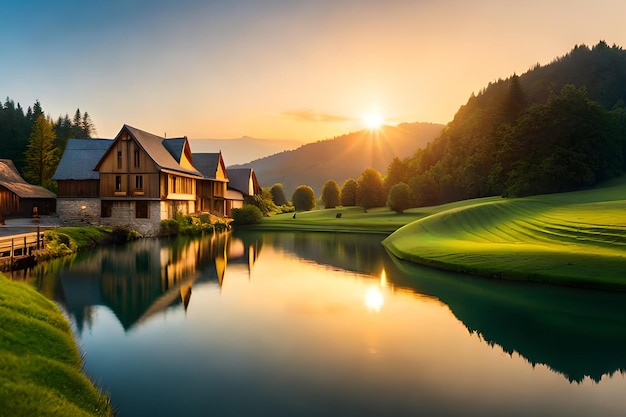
{"points": [[41, 155], [87, 126]]}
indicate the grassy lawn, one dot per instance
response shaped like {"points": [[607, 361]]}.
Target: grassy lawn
{"points": [[567, 239], [40, 365], [354, 219]]}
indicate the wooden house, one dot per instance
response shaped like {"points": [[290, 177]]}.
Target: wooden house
{"points": [[18, 198], [242, 184], [144, 179], [211, 191], [78, 196]]}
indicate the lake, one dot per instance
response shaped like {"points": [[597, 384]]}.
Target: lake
{"points": [[309, 324]]}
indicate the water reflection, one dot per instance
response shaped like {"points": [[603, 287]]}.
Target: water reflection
{"points": [[577, 334], [139, 280]]}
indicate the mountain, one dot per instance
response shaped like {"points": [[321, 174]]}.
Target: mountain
{"points": [[244, 149], [559, 127], [342, 157]]}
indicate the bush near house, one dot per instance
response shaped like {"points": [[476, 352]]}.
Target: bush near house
{"points": [[248, 214], [192, 225]]}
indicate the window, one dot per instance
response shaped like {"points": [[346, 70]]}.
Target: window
{"points": [[118, 183], [139, 182], [106, 207], [141, 210], [137, 158], [119, 159]]}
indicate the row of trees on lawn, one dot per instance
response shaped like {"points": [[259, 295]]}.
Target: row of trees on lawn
{"points": [[35, 142], [368, 191]]}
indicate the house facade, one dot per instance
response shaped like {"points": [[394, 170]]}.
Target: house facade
{"points": [[144, 179], [138, 179], [242, 184], [211, 191], [78, 195]]}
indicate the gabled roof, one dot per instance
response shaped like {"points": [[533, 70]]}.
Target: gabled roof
{"points": [[209, 164], [242, 180], [176, 147], [167, 154], [11, 179], [80, 158]]}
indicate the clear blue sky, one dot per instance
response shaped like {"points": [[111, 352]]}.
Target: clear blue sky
{"points": [[288, 69]]}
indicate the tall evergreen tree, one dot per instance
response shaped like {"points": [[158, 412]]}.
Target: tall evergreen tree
{"points": [[41, 155], [89, 129]]}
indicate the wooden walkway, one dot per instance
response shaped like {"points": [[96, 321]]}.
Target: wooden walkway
{"points": [[19, 250]]}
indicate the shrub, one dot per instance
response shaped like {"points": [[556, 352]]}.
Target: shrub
{"points": [[169, 227], [399, 198], [248, 214], [125, 234], [303, 198], [331, 194], [59, 244], [221, 226]]}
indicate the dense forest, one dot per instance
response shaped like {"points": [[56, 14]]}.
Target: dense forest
{"points": [[23, 134], [556, 128]]}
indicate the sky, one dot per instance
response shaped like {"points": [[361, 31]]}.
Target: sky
{"points": [[280, 69]]}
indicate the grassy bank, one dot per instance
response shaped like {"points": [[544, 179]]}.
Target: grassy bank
{"points": [[353, 219], [40, 365], [576, 239]]}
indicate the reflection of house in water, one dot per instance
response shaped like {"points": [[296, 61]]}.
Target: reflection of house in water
{"points": [[144, 278]]}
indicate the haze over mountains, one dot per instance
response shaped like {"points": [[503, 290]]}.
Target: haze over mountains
{"points": [[342, 157], [244, 149]]}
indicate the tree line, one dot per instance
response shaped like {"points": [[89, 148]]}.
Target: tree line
{"points": [[554, 129], [35, 142]]}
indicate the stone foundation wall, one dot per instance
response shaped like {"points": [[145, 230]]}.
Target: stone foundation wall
{"points": [[86, 212], [123, 215], [78, 211]]}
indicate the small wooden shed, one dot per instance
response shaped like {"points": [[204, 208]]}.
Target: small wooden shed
{"points": [[19, 198]]}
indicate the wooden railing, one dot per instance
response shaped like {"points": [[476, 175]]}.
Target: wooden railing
{"points": [[19, 247]]}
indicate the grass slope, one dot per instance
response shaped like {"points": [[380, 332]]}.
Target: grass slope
{"points": [[354, 219], [576, 239], [40, 365]]}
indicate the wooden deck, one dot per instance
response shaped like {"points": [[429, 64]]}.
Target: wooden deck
{"points": [[19, 250]]}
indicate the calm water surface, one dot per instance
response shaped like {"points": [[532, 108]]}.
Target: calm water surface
{"points": [[309, 324]]}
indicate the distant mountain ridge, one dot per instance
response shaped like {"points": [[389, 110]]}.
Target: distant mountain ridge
{"points": [[244, 149], [342, 157]]}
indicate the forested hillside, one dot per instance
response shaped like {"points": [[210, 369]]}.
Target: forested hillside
{"points": [[343, 157], [559, 127], [18, 129]]}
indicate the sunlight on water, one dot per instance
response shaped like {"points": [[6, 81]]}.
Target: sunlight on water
{"points": [[279, 324]]}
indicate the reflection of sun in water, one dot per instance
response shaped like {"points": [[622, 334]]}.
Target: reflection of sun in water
{"points": [[373, 120], [374, 299]]}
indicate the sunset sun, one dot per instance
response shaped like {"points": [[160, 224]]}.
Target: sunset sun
{"points": [[373, 120]]}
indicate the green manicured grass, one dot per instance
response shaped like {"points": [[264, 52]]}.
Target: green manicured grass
{"points": [[567, 239], [353, 219], [40, 365]]}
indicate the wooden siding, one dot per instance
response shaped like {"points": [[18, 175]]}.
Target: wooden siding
{"points": [[9, 202], [78, 188], [150, 182]]}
